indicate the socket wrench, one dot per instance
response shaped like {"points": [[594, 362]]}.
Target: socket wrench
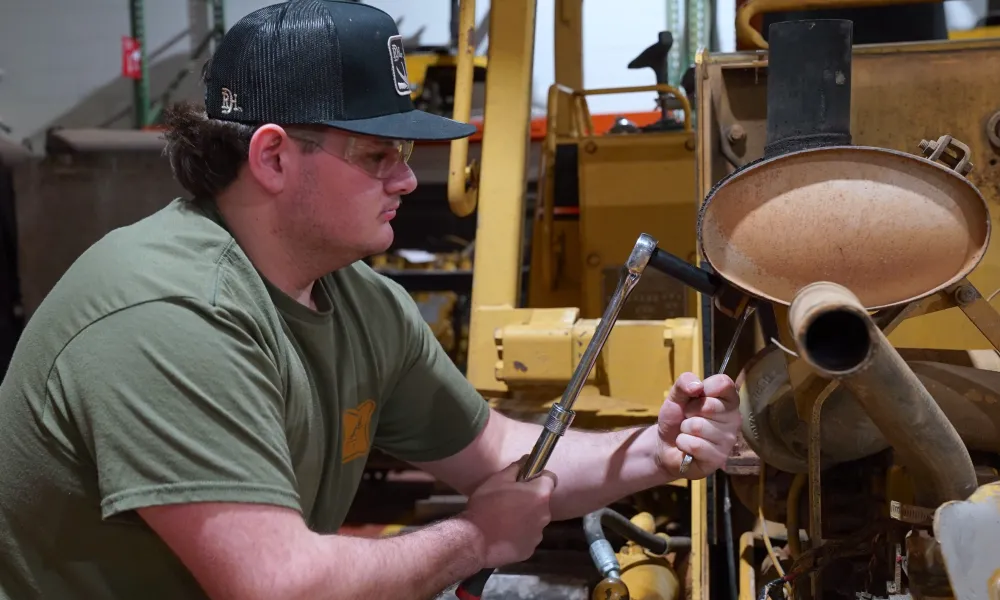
{"points": [[561, 414]]}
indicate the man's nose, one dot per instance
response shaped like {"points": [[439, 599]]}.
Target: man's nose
{"points": [[401, 182]]}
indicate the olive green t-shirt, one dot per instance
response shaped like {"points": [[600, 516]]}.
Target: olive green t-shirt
{"points": [[163, 369]]}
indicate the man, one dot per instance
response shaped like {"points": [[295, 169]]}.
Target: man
{"points": [[189, 411]]}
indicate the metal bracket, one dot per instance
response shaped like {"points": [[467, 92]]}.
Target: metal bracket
{"points": [[936, 150]]}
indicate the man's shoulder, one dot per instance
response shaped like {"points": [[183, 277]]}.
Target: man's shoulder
{"points": [[176, 251], [175, 254]]}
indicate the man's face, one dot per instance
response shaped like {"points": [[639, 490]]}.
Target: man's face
{"points": [[348, 190]]}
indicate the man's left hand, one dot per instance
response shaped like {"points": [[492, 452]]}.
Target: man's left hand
{"points": [[700, 418]]}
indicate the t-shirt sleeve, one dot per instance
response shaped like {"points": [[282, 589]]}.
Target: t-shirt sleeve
{"points": [[176, 402], [432, 411]]}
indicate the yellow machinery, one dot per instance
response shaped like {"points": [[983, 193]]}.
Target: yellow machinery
{"points": [[830, 483], [437, 307], [432, 77], [812, 480], [618, 183], [629, 183], [979, 33], [431, 69], [522, 357]]}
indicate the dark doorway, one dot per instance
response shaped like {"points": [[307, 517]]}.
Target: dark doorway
{"points": [[11, 319]]}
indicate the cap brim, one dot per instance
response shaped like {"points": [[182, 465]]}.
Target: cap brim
{"points": [[412, 125]]}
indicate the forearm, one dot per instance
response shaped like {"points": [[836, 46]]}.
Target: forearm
{"points": [[260, 552], [415, 565], [594, 468]]}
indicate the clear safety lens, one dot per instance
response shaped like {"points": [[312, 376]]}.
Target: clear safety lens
{"points": [[380, 158], [377, 157]]}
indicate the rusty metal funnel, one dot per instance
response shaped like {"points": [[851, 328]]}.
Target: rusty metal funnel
{"points": [[890, 226]]}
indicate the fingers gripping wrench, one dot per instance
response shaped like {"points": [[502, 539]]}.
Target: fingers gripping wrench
{"points": [[561, 414], [688, 459]]}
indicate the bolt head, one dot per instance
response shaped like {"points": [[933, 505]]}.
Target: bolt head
{"points": [[965, 294]]}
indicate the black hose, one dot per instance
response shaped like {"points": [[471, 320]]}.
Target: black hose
{"points": [[594, 523]]}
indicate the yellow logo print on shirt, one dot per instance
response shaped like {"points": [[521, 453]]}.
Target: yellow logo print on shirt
{"points": [[356, 426]]}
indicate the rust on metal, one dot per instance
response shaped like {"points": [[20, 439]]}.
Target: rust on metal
{"points": [[959, 157], [966, 385], [979, 311], [924, 439], [815, 472], [742, 460], [890, 226]]}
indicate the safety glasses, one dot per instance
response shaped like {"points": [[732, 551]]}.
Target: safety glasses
{"points": [[378, 157]]}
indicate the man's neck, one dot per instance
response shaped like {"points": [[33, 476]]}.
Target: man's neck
{"points": [[292, 272], [300, 292]]}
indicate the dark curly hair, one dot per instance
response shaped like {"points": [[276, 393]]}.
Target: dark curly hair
{"points": [[205, 154]]}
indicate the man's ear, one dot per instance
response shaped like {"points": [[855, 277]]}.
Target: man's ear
{"points": [[269, 157]]}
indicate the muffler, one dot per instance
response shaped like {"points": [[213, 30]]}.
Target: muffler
{"points": [[838, 338]]}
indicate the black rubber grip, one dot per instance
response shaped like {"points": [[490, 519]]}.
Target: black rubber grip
{"points": [[683, 271], [472, 588]]}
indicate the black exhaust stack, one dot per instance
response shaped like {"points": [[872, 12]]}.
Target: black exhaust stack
{"points": [[808, 85]]}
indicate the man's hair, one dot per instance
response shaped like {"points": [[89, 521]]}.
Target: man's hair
{"points": [[205, 154]]}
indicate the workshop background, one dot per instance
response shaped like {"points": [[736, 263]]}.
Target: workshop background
{"points": [[662, 108], [60, 61], [62, 65]]}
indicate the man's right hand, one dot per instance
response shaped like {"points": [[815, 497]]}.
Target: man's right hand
{"points": [[510, 515]]}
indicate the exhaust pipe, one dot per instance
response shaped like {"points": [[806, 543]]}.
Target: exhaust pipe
{"points": [[838, 338]]}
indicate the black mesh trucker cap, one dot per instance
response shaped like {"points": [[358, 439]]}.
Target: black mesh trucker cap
{"points": [[320, 62]]}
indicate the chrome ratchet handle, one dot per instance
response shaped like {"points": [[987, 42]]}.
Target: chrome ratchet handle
{"points": [[561, 414]]}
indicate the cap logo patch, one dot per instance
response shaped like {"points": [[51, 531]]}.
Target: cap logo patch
{"points": [[229, 102], [397, 60]]}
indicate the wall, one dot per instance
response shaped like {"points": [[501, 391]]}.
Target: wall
{"points": [[56, 53]]}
